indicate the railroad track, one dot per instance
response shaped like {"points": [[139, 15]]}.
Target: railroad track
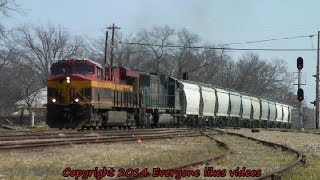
{"points": [[136, 135], [276, 174], [97, 136], [109, 137], [196, 163], [307, 131], [10, 133], [33, 135]]}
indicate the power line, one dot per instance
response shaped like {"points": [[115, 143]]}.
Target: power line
{"points": [[219, 48], [236, 49], [272, 39]]}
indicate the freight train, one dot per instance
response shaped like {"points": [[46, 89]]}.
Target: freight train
{"points": [[85, 94]]}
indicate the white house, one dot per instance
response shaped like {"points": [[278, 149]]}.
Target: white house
{"points": [[38, 104]]}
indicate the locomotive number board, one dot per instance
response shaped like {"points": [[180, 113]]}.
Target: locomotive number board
{"points": [[81, 61]]}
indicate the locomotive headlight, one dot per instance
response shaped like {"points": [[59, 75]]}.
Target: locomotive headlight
{"points": [[76, 100], [68, 79], [53, 100]]}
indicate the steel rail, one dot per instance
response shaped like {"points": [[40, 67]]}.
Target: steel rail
{"points": [[16, 137], [27, 133], [32, 145], [275, 174]]}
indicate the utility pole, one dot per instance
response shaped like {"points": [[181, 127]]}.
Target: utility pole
{"points": [[317, 85], [113, 27], [300, 94], [105, 49]]}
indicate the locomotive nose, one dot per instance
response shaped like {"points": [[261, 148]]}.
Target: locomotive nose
{"points": [[64, 79], [66, 89]]}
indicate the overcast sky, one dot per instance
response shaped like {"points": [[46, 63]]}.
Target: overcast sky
{"points": [[216, 21]]}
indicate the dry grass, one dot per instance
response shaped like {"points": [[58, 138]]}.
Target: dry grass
{"points": [[35, 139], [309, 144], [49, 163], [26, 128], [251, 155], [4, 130]]}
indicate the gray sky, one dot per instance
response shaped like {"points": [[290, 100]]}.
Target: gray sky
{"points": [[216, 21]]}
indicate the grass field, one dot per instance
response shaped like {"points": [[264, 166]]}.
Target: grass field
{"points": [[50, 163]]}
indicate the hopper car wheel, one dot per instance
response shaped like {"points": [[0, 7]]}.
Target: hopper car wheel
{"points": [[210, 122], [193, 122], [223, 122]]}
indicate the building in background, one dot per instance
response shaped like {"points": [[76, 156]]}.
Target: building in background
{"points": [[21, 116], [37, 100], [308, 118]]}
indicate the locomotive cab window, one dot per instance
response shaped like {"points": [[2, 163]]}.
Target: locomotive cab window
{"points": [[64, 69], [83, 69]]}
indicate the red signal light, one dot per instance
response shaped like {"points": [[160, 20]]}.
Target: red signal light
{"points": [[299, 63], [300, 94]]}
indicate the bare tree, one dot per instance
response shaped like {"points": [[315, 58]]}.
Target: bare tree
{"points": [[160, 36], [131, 56], [6, 8], [150, 58], [9, 90], [29, 87], [7, 50], [44, 45], [9, 54], [260, 77], [16, 83], [184, 57], [95, 50]]}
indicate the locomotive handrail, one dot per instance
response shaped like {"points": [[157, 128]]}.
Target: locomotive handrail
{"points": [[125, 99], [156, 100], [85, 99]]}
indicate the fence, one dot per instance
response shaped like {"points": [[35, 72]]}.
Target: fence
{"points": [[24, 120]]}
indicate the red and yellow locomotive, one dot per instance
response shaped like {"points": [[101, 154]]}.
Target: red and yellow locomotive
{"points": [[83, 94]]}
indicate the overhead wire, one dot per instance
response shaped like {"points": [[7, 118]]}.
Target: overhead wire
{"points": [[272, 39], [218, 47]]}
